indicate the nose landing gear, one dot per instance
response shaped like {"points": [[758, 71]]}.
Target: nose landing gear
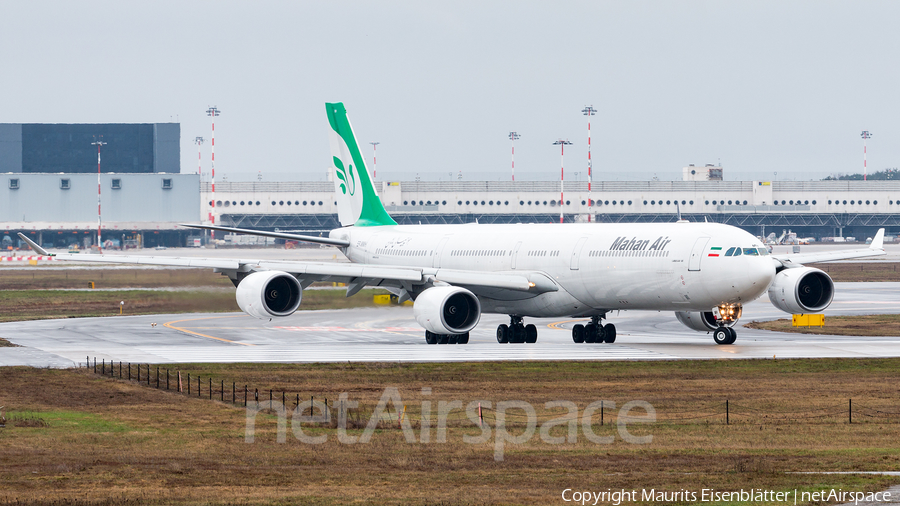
{"points": [[726, 314], [724, 335], [594, 332]]}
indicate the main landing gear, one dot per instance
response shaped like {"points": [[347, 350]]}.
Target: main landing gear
{"points": [[594, 332], [516, 332], [432, 338], [724, 335]]}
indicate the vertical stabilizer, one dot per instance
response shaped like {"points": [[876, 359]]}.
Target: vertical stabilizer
{"points": [[358, 204]]}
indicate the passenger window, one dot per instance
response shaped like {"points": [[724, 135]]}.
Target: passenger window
{"points": [[729, 252], [751, 251]]}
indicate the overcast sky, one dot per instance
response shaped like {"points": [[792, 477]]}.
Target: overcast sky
{"points": [[761, 86]]}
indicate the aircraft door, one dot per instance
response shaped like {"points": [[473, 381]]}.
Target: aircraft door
{"points": [[576, 253], [515, 253], [697, 253], [436, 260]]}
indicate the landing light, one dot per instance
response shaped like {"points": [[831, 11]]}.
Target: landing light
{"points": [[727, 312]]}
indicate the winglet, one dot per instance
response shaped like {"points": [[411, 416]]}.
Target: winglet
{"points": [[877, 242], [41, 251]]}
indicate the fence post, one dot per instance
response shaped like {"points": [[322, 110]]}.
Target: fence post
{"points": [[298, 400], [601, 413], [103, 367], [189, 384], [222, 391], [727, 421], [129, 371], [120, 369], [850, 412], [233, 400], [199, 393], [283, 404], [157, 377], [256, 397], [95, 365], [270, 398], [148, 375], [180, 387], [167, 379], [87, 365], [245, 396], [210, 388]]}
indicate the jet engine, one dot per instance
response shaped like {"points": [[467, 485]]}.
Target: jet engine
{"points": [[447, 310], [267, 294], [801, 290], [701, 321]]}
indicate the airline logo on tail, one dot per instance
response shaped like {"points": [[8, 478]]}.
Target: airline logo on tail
{"points": [[358, 204]]}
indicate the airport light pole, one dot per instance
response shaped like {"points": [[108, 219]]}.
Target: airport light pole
{"points": [[212, 112], [589, 111], [199, 142], [98, 143], [374, 160], [512, 138], [866, 135], [562, 154]]}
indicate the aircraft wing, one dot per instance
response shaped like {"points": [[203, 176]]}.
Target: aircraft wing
{"points": [[797, 259], [356, 275]]}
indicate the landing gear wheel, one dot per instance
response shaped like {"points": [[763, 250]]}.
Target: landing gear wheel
{"points": [[723, 335], [590, 333], [453, 338], [578, 333], [530, 333], [732, 335], [610, 333], [443, 338], [430, 337], [517, 334], [463, 338], [503, 334]]}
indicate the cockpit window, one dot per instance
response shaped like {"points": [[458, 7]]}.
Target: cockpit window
{"points": [[737, 252], [751, 251], [763, 251], [729, 252]]}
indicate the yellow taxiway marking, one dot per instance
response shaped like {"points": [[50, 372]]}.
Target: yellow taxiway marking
{"points": [[182, 329], [556, 325]]}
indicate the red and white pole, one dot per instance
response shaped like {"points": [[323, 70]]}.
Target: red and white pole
{"points": [[865, 136], [589, 111], [374, 160], [512, 137], [99, 223], [562, 156], [213, 112], [199, 142]]}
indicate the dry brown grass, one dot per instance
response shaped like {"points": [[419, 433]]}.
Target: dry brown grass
{"points": [[860, 271], [116, 439], [861, 325]]}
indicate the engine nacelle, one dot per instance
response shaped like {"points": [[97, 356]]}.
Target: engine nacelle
{"points": [[801, 290], [701, 321], [447, 310], [268, 294]]}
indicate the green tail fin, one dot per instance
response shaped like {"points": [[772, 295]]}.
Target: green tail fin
{"points": [[358, 204]]}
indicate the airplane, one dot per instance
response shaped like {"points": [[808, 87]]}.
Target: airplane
{"points": [[703, 272]]}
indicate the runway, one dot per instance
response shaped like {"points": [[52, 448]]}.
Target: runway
{"points": [[391, 334]]}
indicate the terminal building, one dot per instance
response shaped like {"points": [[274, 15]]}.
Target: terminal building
{"points": [[48, 174], [810, 208], [48, 188]]}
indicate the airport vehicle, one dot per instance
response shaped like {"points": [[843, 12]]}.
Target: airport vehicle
{"points": [[703, 272]]}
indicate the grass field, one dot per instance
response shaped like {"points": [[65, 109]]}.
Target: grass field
{"points": [[75, 435], [861, 325]]}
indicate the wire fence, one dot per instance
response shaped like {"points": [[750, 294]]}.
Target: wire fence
{"points": [[275, 401]]}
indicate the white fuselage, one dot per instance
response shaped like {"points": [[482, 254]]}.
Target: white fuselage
{"points": [[598, 267]]}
